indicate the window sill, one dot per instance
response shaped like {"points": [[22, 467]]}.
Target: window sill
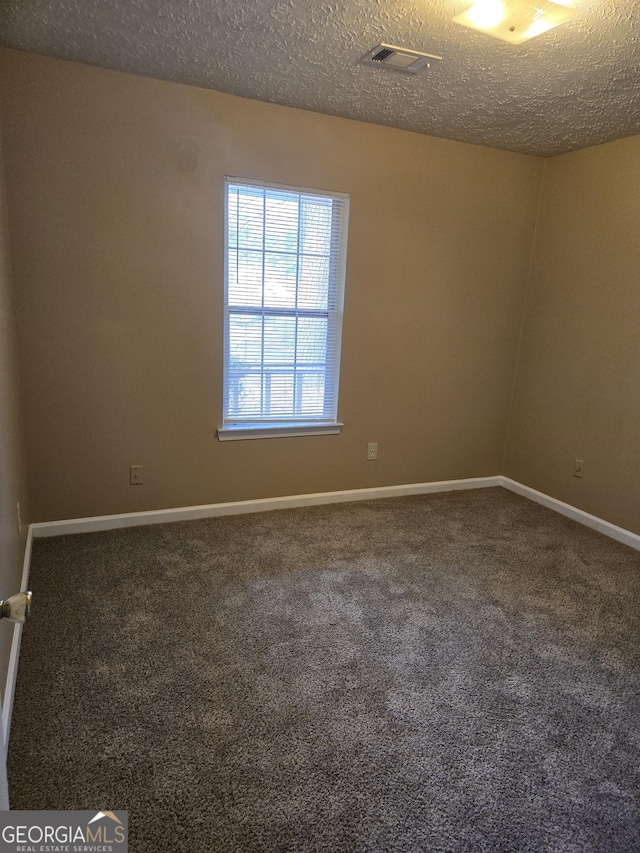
{"points": [[239, 433]]}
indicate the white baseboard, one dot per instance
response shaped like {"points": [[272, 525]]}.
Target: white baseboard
{"points": [[12, 672], [160, 516], [592, 521], [188, 513]]}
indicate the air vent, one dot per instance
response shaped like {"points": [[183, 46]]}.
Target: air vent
{"points": [[382, 54], [399, 58]]}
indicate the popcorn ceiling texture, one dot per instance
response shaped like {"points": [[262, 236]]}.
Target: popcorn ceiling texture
{"points": [[570, 88]]}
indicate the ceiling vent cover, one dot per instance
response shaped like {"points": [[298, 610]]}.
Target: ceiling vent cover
{"points": [[399, 58]]}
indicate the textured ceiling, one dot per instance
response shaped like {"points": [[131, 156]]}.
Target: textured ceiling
{"points": [[575, 86]]}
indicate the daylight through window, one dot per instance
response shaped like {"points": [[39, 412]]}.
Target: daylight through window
{"points": [[285, 264]]}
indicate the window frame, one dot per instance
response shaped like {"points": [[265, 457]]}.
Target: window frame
{"points": [[256, 427]]}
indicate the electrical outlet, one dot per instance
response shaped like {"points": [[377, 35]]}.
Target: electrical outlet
{"points": [[578, 467], [372, 451], [136, 477]]}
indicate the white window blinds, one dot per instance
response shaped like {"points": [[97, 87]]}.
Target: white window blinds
{"points": [[285, 267]]}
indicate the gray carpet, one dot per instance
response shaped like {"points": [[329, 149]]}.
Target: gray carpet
{"points": [[451, 672]]}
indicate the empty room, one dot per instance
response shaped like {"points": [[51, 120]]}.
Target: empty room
{"points": [[320, 426]]}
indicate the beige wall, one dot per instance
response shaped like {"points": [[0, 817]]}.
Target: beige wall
{"points": [[115, 188], [578, 382], [12, 469]]}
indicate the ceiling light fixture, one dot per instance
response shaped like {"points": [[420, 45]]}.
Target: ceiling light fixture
{"points": [[514, 21]]}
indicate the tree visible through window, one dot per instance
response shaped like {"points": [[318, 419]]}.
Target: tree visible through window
{"points": [[285, 259]]}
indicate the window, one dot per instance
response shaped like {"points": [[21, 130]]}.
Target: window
{"points": [[284, 285]]}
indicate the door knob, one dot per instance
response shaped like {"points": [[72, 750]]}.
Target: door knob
{"points": [[17, 608]]}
